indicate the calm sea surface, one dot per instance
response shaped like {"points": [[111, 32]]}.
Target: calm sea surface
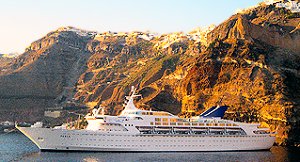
{"points": [[16, 147]]}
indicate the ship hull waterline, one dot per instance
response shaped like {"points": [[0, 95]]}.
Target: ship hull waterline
{"points": [[48, 139]]}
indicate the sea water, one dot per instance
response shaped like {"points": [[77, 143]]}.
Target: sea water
{"points": [[16, 147]]}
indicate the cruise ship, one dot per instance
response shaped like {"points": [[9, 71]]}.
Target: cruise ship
{"points": [[136, 130]]}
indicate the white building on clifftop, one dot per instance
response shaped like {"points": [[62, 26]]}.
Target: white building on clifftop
{"points": [[293, 6], [269, 2]]}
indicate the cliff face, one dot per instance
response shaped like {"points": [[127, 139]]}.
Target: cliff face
{"points": [[265, 43], [250, 63], [36, 78], [4, 59], [274, 26]]}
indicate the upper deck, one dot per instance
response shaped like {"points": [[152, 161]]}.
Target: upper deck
{"points": [[139, 121]]}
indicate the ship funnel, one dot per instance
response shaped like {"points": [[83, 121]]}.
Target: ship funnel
{"points": [[215, 112]]}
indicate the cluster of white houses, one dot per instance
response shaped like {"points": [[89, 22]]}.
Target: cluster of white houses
{"points": [[164, 40], [293, 6]]}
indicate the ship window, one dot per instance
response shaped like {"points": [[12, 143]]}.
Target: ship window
{"points": [[173, 120], [165, 121], [194, 124], [157, 123], [186, 123]]}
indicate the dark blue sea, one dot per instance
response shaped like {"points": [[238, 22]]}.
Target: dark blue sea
{"points": [[16, 147]]}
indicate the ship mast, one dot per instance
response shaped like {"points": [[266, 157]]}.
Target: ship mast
{"points": [[130, 104]]}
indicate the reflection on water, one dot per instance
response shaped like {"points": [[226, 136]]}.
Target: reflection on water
{"points": [[22, 149], [276, 154]]}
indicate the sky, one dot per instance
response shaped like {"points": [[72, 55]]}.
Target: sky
{"points": [[24, 21]]}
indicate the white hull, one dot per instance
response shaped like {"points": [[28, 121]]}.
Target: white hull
{"points": [[87, 140]]}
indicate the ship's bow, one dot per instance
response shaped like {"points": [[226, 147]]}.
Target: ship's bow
{"points": [[36, 135]]}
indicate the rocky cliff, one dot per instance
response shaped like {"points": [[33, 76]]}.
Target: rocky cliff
{"points": [[250, 62], [5, 59], [265, 44], [35, 79]]}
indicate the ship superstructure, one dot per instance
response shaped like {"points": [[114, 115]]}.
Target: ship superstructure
{"points": [[144, 130]]}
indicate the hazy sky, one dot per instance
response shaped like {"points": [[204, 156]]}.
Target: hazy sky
{"points": [[24, 21]]}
